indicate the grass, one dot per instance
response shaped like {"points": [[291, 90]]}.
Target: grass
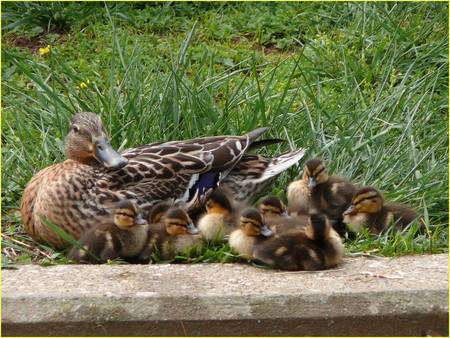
{"points": [[362, 85]]}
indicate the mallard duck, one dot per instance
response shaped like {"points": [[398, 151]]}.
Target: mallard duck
{"points": [[368, 210], [276, 216], [123, 237], [220, 217], [174, 234], [74, 194], [318, 247], [252, 230], [317, 192]]}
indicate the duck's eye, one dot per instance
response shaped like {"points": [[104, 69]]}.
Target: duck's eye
{"points": [[75, 128]]}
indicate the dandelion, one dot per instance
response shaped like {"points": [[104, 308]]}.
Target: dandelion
{"points": [[84, 85], [43, 51]]}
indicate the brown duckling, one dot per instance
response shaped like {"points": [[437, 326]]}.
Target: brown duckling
{"points": [[252, 230], [174, 234], [276, 216], [369, 210], [330, 195], [318, 247], [124, 237], [220, 217]]}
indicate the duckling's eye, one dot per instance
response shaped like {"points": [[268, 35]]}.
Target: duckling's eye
{"points": [[75, 128]]}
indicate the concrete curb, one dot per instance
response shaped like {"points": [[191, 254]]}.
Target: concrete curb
{"points": [[363, 297]]}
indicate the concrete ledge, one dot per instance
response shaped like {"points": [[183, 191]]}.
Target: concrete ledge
{"points": [[364, 297]]}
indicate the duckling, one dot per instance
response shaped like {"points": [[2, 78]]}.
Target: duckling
{"points": [[277, 218], [174, 234], [368, 210], [124, 237], [220, 217], [317, 192], [318, 247], [252, 230]]}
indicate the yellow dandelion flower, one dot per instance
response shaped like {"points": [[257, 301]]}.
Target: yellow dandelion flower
{"points": [[43, 51], [83, 85]]}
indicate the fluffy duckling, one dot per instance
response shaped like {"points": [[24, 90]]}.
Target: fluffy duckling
{"points": [[318, 247], [368, 210], [124, 237], [317, 192], [220, 218], [174, 234], [252, 230], [276, 216]]}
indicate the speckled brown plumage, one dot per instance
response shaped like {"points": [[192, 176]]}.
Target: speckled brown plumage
{"points": [[77, 193]]}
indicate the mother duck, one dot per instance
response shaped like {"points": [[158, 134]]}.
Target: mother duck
{"points": [[79, 192]]}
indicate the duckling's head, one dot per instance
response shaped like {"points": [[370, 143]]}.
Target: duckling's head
{"points": [[178, 222], [127, 215], [367, 200], [218, 202], [315, 173], [87, 143], [157, 212], [252, 223], [272, 206]]}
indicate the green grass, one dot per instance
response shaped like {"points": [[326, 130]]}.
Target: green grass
{"points": [[362, 85]]}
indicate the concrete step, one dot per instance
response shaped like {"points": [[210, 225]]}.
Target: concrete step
{"points": [[404, 296]]}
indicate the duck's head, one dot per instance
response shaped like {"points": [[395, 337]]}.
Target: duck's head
{"points": [[252, 223], [87, 142], [315, 173], [272, 206], [127, 215], [219, 203], [157, 212], [367, 200], [178, 222]]}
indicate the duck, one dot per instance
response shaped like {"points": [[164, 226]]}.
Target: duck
{"points": [[252, 230], [368, 210], [123, 237], [318, 247], [277, 218], [76, 193], [220, 217], [174, 234], [317, 192]]}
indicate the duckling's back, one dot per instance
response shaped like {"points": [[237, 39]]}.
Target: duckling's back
{"points": [[315, 248]]}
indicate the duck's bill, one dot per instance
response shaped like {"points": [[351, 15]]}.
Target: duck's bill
{"points": [[351, 210], [312, 182], [265, 231], [107, 156], [192, 229]]}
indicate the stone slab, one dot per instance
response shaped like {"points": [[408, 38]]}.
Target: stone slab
{"points": [[404, 296]]}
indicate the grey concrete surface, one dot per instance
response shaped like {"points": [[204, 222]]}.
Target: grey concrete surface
{"points": [[404, 296]]}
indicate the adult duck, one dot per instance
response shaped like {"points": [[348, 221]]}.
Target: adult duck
{"points": [[79, 192]]}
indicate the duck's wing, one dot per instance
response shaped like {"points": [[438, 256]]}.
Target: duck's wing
{"points": [[182, 171], [249, 179]]}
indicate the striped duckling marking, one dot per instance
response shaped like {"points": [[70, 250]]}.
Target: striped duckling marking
{"points": [[369, 210], [317, 247], [318, 192], [174, 233], [252, 230], [124, 237], [220, 217], [277, 218]]}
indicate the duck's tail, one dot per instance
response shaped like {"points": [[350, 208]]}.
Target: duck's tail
{"points": [[254, 173]]}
